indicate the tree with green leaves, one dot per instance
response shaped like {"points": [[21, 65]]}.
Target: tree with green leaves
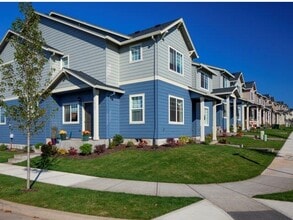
{"points": [[24, 77]]}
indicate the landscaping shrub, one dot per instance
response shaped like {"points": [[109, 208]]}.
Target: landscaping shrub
{"points": [[38, 145], [72, 151], [183, 140], [62, 151], [171, 142], [31, 149], [99, 149], [142, 143], [222, 141], [3, 147], [85, 149], [117, 139], [130, 144], [48, 150]]}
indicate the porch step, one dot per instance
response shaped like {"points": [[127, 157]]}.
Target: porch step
{"points": [[21, 157]]}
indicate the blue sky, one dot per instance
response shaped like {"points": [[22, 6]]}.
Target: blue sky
{"points": [[254, 38]]}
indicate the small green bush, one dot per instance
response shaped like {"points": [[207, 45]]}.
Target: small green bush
{"points": [[130, 144], [48, 150], [31, 149], [183, 140], [3, 147], [117, 139], [86, 149], [38, 145]]}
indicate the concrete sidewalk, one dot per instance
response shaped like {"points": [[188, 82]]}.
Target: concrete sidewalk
{"points": [[234, 198]]}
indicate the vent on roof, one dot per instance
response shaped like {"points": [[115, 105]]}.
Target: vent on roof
{"points": [[136, 32], [158, 25]]}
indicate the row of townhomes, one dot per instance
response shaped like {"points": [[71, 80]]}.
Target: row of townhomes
{"points": [[144, 85]]}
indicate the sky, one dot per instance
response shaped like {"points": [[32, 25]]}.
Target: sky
{"points": [[253, 38]]}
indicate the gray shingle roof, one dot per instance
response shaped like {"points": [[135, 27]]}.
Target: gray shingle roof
{"points": [[249, 85], [157, 27], [227, 90]]}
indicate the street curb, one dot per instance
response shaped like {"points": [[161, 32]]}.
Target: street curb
{"points": [[45, 214]]}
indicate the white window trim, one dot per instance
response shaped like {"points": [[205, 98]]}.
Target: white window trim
{"points": [[130, 54], [173, 122], [3, 123], [143, 109], [206, 75], [61, 63], [63, 119], [181, 74], [207, 122]]}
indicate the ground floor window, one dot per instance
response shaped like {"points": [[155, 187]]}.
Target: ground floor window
{"points": [[176, 110], [136, 109], [2, 116], [71, 113], [206, 116]]}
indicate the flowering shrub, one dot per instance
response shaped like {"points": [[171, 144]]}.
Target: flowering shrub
{"points": [[99, 149], [62, 151], [72, 151], [142, 143], [86, 132], [62, 132]]}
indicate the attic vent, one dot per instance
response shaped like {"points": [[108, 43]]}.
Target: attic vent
{"points": [[158, 25], [136, 32]]}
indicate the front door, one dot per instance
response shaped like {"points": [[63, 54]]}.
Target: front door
{"points": [[88, 117]]}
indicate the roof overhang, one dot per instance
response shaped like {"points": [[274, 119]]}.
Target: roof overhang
{"points": [[211, 96], [204, 67]]}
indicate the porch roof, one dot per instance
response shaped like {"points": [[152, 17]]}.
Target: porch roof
{"points": [[85, 78], [200, 93], [226, 91]]}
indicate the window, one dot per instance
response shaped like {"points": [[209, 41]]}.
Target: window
{"points": [[135, 53], [175, 61], [206, 116], [176, 110], [65, 62], [251, 96], [225, 82], [238, 113], [71, 113], [204, 81], [136, 109], [224, 110], [2, 116]]}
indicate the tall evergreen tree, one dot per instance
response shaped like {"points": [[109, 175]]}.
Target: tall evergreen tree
{"points": [[24, 79]]}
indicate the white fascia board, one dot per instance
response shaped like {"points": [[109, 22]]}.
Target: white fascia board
{"points": [[90, 25]]}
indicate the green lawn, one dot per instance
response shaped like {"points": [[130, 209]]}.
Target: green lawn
{"points": [[188, 164], [283, 132], [283, 196], [5, 155], [118, 205], [255, 143]]}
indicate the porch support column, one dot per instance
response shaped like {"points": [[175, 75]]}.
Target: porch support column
{"points": [[214, 120], [228, 114], [247, 117], [96, 114], [202, 127], [242, 117], [257, 116], [234, 115]]}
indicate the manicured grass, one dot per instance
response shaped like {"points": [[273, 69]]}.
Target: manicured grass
{"points": [[5, 155], [119, 205], [188, 164], [283, 196], [255, 143], [283, 132]]}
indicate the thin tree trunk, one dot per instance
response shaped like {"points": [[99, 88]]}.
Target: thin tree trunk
{"points": [[28, 161]]}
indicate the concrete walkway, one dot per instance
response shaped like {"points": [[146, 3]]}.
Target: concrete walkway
{"points": [[235, 198]]}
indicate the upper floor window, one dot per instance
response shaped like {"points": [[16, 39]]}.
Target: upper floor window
{"points": [[206, 116], [225, 82], [65, 62], [71, 113], [175, 61], [176, 110], [2, 116], [135, 53], [136, 109], [204, 81], [251, 96]]}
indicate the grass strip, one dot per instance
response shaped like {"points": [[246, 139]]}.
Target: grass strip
{"points": [[282, 196], [97, 203]]}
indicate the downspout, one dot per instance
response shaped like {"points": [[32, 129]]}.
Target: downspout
{"points": [[155, 93]]}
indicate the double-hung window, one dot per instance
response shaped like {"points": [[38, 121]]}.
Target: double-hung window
{"points": [[204, 81], [135, 53], [206, 116], [225, 82], [136, 109], [176, 110], [175, 61], [2, 116], [71, 113]]}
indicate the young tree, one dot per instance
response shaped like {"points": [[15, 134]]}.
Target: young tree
{"points": [[24, 79]]}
